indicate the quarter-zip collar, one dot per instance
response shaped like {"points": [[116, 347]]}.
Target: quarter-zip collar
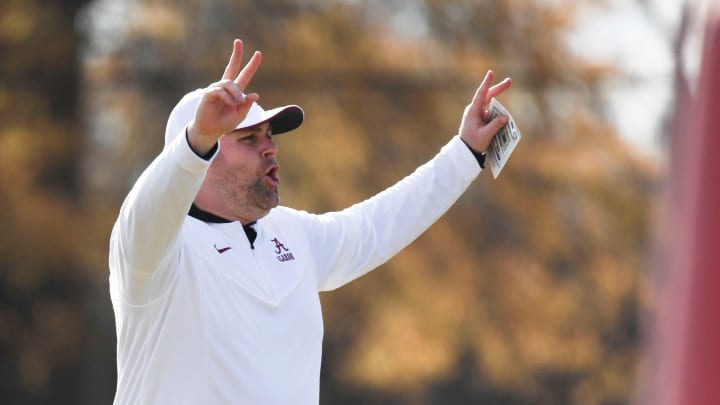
{"points": [[205, 216]]}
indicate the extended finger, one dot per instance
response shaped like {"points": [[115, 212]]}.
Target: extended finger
{"points": [[247, 73], [497, 89], [478, 102], [233, 66]]}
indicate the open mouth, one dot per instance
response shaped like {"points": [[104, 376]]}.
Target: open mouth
{"points": [[272, 175]]}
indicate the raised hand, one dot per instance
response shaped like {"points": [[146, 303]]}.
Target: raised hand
{"points": [[224, 104], [475, 128]]}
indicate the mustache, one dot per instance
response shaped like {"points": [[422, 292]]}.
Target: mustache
{"points": [[269, 164]]}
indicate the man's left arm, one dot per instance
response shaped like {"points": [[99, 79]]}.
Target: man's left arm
{"points": [[354, 241]]}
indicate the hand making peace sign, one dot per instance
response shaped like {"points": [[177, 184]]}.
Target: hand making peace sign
{"points": [[476, 129], [224, 104]]}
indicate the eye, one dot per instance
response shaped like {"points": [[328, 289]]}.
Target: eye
{"points": [[246, 138]]}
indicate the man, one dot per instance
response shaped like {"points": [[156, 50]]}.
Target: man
{"points": [[215, 287]]}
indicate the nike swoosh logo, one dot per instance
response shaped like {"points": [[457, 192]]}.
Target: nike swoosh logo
{"points": [[222, 250]]}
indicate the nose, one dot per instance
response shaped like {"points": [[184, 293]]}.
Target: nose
{"points": [[269, 148]]}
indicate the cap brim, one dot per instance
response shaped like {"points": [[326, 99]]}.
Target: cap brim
{"points": [[282, 119]]}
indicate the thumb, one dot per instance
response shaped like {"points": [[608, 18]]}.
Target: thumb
{"points": [[492, 127]]}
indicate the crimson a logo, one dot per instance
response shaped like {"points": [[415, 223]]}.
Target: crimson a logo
{"points": [[284, 254]]}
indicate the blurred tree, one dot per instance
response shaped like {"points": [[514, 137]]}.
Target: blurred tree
{"points": [[526, 292], [45, 327]]}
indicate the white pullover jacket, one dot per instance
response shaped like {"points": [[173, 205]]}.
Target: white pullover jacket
{"points": [[203, 318]]}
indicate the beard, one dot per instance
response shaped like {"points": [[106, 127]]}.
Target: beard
{"points": [[246, 192], [259, 195]]}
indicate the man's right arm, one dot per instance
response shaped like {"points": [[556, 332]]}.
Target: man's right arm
{"points": [[144, 242]]}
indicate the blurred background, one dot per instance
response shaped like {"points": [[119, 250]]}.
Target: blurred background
{"points": [[531, 290]]}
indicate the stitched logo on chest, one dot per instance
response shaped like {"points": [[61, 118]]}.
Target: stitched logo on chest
{"points": [[222, 250], [284, 254]]}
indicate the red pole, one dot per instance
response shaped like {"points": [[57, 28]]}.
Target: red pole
{"points": [[685, 356]]}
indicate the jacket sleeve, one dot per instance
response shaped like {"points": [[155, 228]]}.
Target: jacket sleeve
{"points": [[144, 243], [350, 243]]}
